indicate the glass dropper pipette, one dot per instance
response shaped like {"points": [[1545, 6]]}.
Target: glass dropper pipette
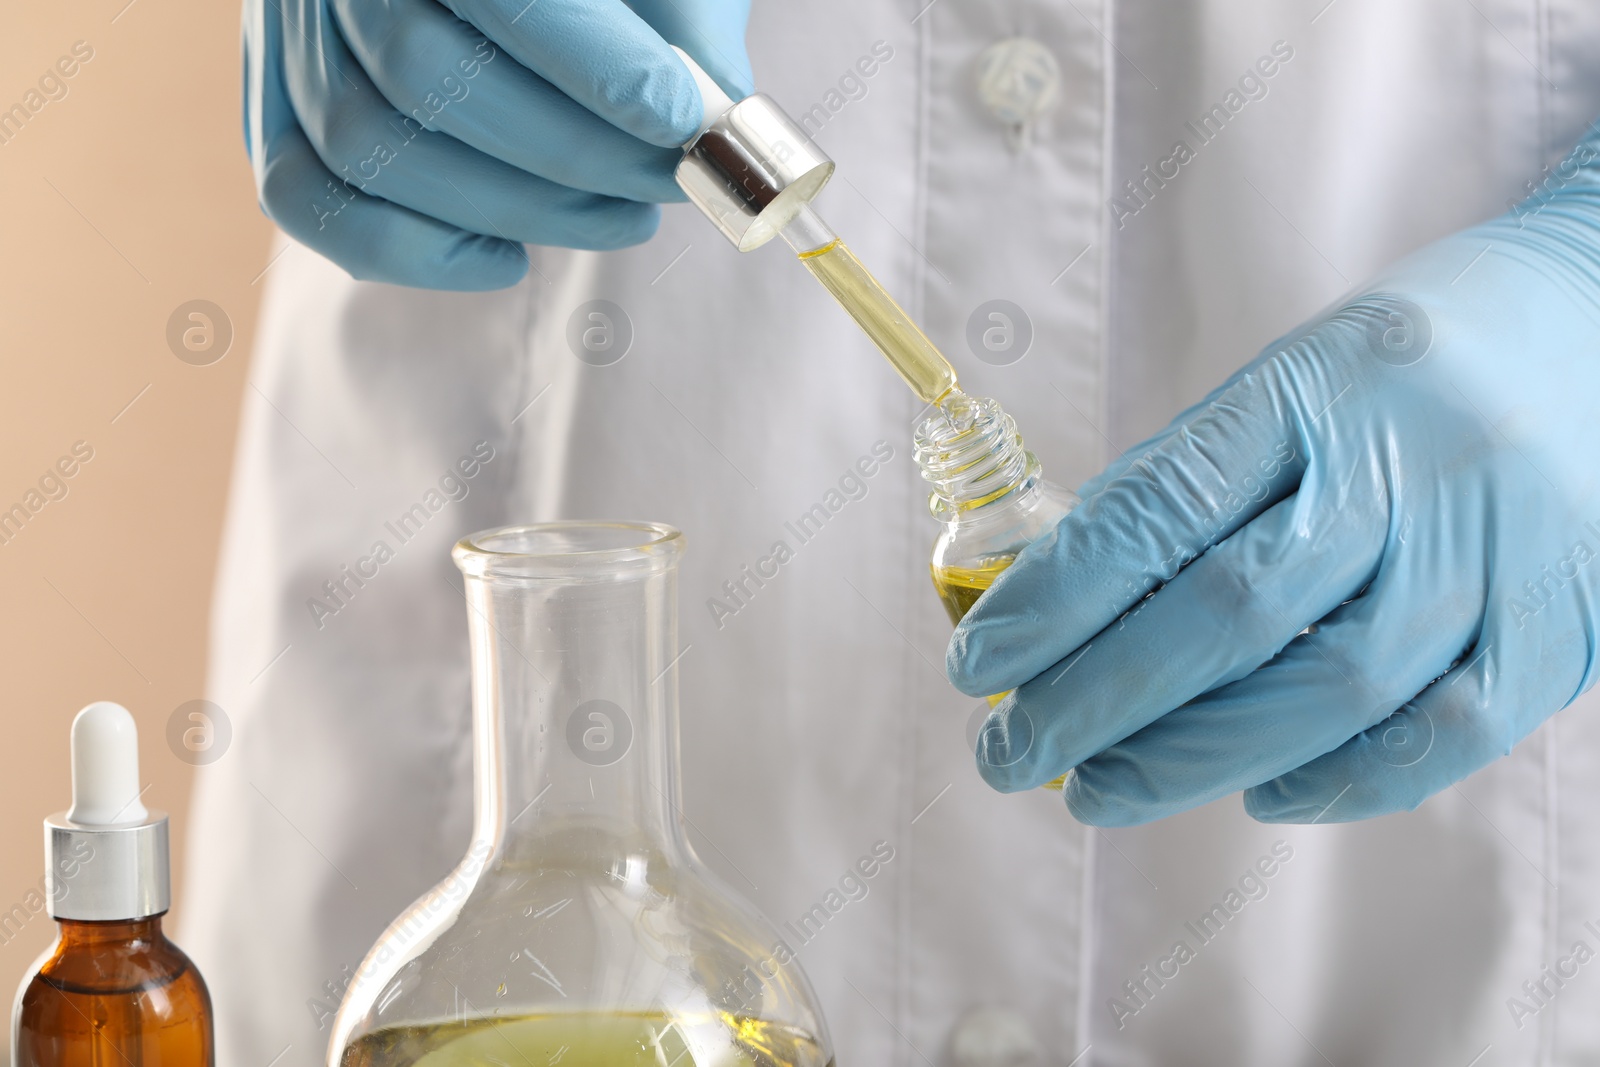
{"points": [[919, 363], [753, 171]]}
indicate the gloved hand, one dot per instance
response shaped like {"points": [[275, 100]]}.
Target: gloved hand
{"points": [[1372, 557], [423, 142]]}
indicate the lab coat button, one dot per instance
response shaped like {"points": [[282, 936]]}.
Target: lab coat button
{"points": [[991, 1036], [1017, 80]]}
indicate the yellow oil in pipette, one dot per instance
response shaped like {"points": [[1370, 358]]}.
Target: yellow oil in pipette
{"points": [[908, 349]]}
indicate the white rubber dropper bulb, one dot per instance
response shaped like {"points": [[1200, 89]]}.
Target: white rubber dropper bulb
{"points": [[105, 767], [714, 103]]}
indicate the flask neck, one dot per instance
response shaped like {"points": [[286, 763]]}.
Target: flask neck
{"points": [[969, 450], [574, 689]]}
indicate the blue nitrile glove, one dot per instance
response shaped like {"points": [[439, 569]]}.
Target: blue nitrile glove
{"points": [[423, 142], [1415, 475]]}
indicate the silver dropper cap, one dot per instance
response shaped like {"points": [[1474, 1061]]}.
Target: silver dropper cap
{"points": [[107, 859], [751, 168]]}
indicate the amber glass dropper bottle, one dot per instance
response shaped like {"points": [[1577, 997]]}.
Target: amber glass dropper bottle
{"points": [[112, 990]]}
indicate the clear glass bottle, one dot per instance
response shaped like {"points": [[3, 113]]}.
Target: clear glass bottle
{"points": [[580, 929], [988, 492], [990, 496]]}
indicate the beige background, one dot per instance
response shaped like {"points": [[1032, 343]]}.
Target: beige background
{"points": [[118, 202]]}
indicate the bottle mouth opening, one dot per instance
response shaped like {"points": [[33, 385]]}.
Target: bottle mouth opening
{"points": [[569, 549], [969, 450]]}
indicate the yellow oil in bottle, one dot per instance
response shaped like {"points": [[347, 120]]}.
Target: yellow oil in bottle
{"points": [[960, 588], [923, 366], [590, 1039]]}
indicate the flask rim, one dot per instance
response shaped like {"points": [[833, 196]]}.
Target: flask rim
{"points": [[569, 549]]}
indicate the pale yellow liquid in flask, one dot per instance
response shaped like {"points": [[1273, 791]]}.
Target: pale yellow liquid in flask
{"points": [[923, 366], [589, 1039]]}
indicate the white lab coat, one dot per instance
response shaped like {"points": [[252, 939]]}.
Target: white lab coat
{"points": [[817, 721]]}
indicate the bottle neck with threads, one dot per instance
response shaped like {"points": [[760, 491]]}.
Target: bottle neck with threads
{"points": [[969, 450], [988, 492]]}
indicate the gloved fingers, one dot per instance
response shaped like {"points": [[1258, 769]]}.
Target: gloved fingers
{"points": [[366, 143], [1511, 680], [1219, 619], [440, 72], [373, 239], [603, 55], [1359, 665], [1242, 455], [1125, 461], [712, 31], [1434, 741], [1119, 466]]}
